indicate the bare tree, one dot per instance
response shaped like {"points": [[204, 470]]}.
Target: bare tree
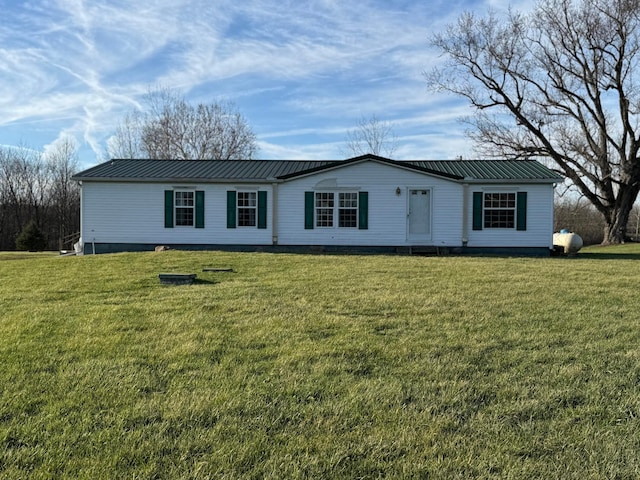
{"points": [[559, 84], [127, 140], [171, 127], [371, 136], [62, 162]]}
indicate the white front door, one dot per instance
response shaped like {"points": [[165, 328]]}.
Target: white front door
{"points": [[419, 216]]}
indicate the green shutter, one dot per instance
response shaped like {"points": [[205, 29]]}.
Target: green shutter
{"points": [[168, 209], [308, 210], [477, 210], [231, 209], [363, 210], [199, 209], [521, 211], [262, 209]]}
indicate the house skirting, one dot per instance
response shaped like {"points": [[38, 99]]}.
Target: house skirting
{"points": [[99, 248], [506, 251]]}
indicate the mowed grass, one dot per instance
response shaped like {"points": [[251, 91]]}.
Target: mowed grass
{"points": [[320, 366]]}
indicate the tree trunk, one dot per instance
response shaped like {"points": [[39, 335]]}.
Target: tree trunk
{"points": [[615, 228], [616, 232]]}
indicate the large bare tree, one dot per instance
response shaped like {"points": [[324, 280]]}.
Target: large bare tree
{"points": [[371, 135], [170, 127], [559, 83]]}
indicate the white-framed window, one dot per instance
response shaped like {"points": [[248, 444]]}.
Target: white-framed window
{"points": [[247, 209], [499, 210], [184, 204], [342, 213], [348, 209], [324, 205], [345, 209]]}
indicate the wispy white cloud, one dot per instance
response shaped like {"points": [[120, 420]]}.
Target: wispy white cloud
{"points": [[298, 70]]}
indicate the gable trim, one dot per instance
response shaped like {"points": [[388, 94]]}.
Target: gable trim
{"points": [[370, 158]]}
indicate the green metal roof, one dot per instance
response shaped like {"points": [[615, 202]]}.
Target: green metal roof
{"points": [[262, 171], [492, 169]]}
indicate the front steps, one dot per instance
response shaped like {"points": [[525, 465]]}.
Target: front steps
{"points": [[424, 250]]}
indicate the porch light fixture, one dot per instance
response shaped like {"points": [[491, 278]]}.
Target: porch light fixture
{"points": [[398, 191]]}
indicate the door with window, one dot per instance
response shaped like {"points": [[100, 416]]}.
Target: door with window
{"points": [[419, 214]]}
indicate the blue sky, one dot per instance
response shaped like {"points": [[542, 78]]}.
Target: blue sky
{"points": [[302, 72]]}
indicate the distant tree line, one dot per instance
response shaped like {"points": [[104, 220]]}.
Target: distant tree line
{"points": [[36, 190], [578, 215]]}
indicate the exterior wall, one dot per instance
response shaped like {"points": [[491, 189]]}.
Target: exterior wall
{"points": [[387, 211], [133, 213], [539, 232]]}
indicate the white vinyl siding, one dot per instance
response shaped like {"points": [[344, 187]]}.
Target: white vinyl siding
{"points": [[539, 231], [109, 216], [387, 209]]}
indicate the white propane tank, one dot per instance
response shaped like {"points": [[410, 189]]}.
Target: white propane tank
{"points": [[570, 242]]}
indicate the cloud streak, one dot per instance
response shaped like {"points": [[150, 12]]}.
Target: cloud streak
{"points": [[301, 72]]}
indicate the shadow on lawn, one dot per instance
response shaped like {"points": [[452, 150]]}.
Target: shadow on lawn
{"points": [[202, 281], [25, 255], [606, 256]]}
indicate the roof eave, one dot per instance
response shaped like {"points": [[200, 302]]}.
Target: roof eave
{"points": [[511, 181], [174, 180]]}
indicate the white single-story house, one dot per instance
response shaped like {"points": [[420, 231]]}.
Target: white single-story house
{"points": [[363, 203]]}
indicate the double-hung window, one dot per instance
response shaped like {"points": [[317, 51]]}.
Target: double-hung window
{"points": [[247, 209], [499, 210], [343, 213], [336, 210], [325, 203], [184, 208], [348, 209]]}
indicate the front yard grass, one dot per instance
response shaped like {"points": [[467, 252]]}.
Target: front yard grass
{"points": [[320, 366]]}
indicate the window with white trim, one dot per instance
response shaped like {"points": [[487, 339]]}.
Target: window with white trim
{"points": [[247, 209], [184, 208], [324, 209], [343, 213], [499, 210], [348, 209]]}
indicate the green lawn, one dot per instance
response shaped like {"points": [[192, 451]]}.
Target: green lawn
{"points": [[320, 366]]}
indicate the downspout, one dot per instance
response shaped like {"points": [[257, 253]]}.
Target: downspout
{"points": [[465, 214], [81, 239], [553, 213], [274, 214]]}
